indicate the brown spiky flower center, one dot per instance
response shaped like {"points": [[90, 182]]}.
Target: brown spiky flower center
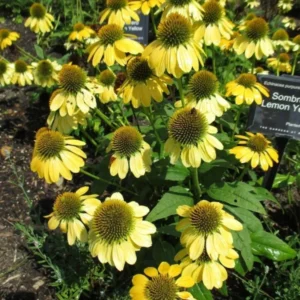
{"points": [[72, 78], [67, 206], [113, 221], [280, 35], [138, 69], [44, 69], [212, 12], [247, 80], [284, 57], [3, 67], [257, 29], [188, 126], [205, 218], [126, 141], [37, 10], [21, 66], [107, 77], [110, 33], [180, 3], [4, 33], [203, 84], [78, 27], [116, 4], [175, 30], [49, 144], [258, 143], [161, 287], [296, 39]]}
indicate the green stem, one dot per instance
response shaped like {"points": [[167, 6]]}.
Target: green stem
{"points": [[253, 64], [104, 118], [3, 58], [122, 113], [245, 170], [87, 136], [107, 181], [26, 53], [135, 117], [160, 115], [180, 89], [237, 121], [277, 70], [153, 21], [213, 59], [195, 183], [295, 63]]}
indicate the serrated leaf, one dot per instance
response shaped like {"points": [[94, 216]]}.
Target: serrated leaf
{"points": [[242, 242], [238, 194], [169, 202], [268, 245], [263, 194], [200, 292], [247, 217]]}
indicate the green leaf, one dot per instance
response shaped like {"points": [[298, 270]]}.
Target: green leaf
{"points": [[223, 290], [263, 194], [283, 180], [169, 202], [169, 230], [163, 251], [200, 292], [247, 217], [268, 245], [39, 51], [242, 242], [238, 194], [177, 172]]}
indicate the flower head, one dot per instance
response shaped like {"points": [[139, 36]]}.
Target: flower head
{"points": [[45, 72], [22, 73], [73, 93], [255, 40], [190, 137], [71, 211], [175, 49], [118, 12], [6, 72], [281, 39], [80, 32], [206, 229], [129, 148], [253, 3], [246, 89], [296, 43], [145, 5], [112, 45], [285, 5], [142, 85], [161, 283], [289, 23], [188, 8], [107, 79], [40, 20], [280, 63], [56, 155], [7, 37], [255, 148], [117, 231], [211, 272], [214, 25], [203, 94]]}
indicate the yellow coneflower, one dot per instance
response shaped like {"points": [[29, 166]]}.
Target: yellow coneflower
{"points": [[244, 21], [190, 137], [227, 45], [145, 5], [56, 155], [73, 93], [255, 40], [188, 8], [118, 12], [285, 5], [175, 49], [7, 37], [22, 74], [142, 85], [130, 150], [260, 70], [45, 72], [6, 72], [289, 23], [71, 211], [65, 124], [253, 3], [161, 283], [214, 25], [117, 231], [211, 272], [280, 63], [112, 45], [296, 43], [206, 229], [255, 148], [246, 89], [40, 20], [107, 80], [203, 94], [80, 32], [281, 38]]}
